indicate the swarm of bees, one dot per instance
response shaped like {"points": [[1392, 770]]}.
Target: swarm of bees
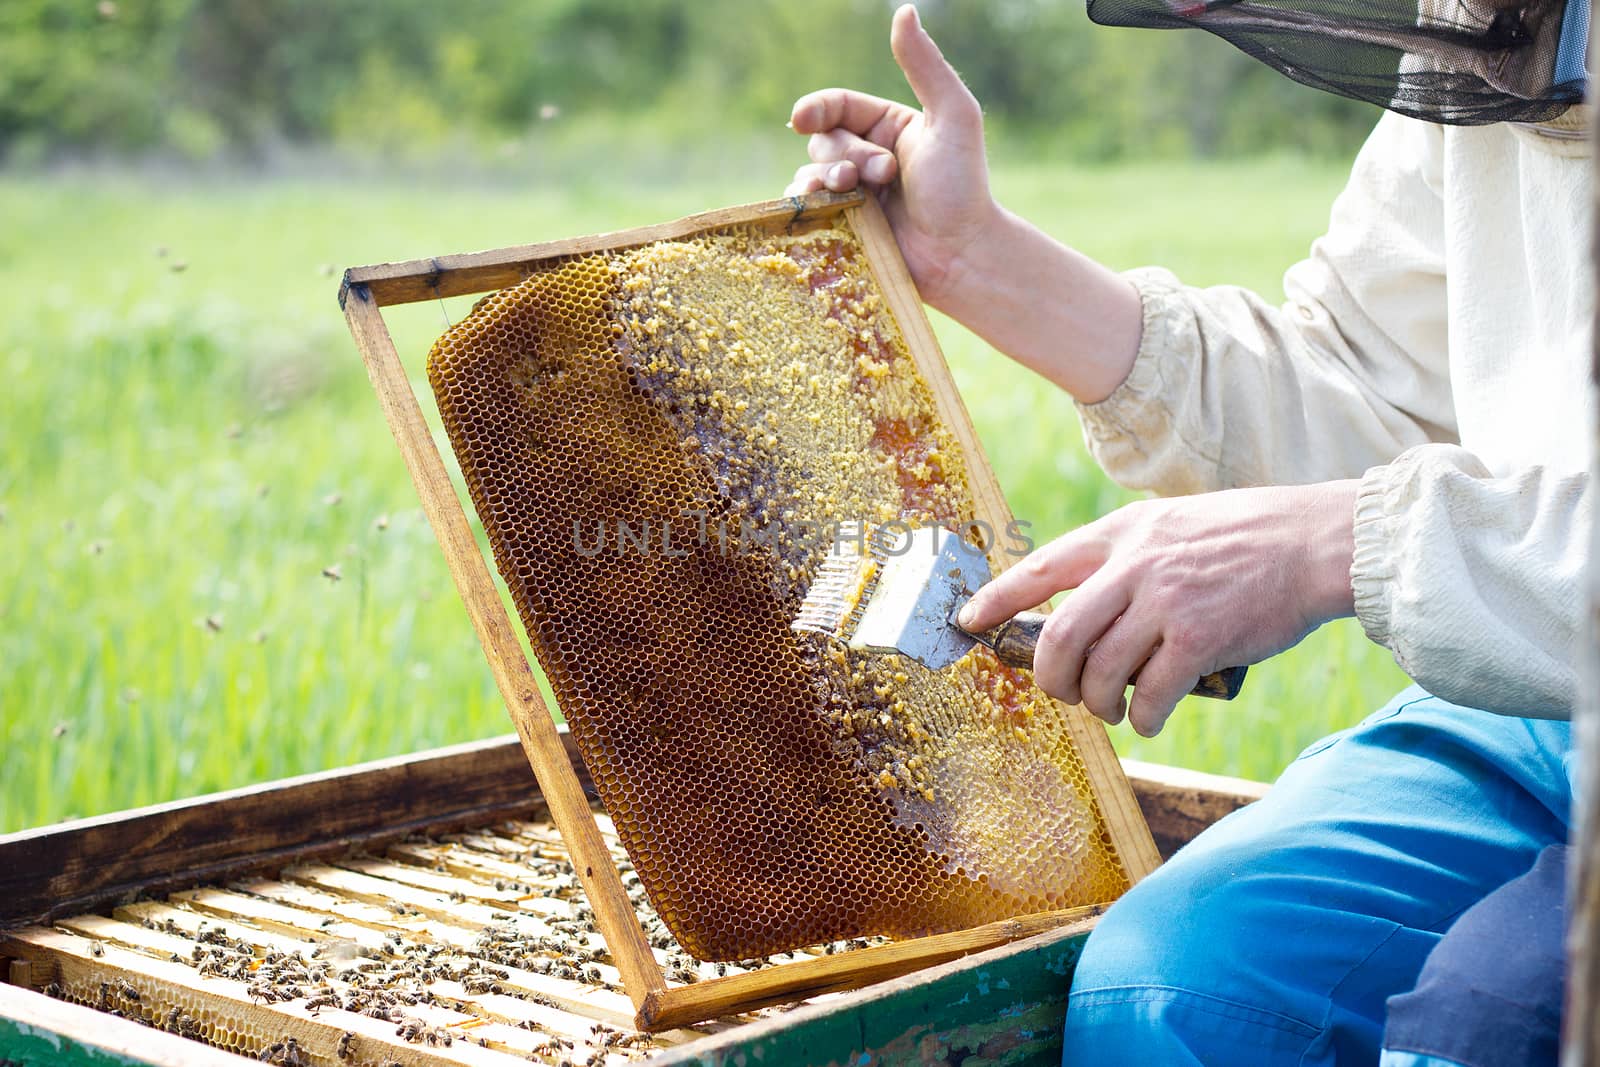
{"points": [[394, 979]]}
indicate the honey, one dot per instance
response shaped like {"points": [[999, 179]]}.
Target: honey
{"points": [[658, 442]]}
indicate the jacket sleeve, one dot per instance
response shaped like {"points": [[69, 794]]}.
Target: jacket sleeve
{"points": [[1475, 583], [1228, 390]]}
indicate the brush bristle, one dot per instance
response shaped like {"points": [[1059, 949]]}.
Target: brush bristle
{"points": [[844, 583]]}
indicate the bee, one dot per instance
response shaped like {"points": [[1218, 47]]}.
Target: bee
{"points": [[96, 949], [54, 990], [342, 1049], [315, 1004], [129, 993]]}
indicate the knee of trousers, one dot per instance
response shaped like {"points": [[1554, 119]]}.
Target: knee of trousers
{"points": [[1210, 917], [1174, 973]]}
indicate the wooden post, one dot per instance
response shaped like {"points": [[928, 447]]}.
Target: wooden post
{"points": [[1581, 1036]]}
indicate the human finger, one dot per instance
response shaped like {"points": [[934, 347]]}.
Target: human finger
{"points": [[1116, 657], [874, 163], [1070, 631], [940, 90], [1064, 563], [838, 177], [1166, 679], [878, 120]]}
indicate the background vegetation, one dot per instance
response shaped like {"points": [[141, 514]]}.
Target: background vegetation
{"points": [[515, 81], [214, 570]]}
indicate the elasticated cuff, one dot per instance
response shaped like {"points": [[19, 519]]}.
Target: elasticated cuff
{"points": [[1372, 571]]}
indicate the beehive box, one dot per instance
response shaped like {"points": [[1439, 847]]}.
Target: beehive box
{"points": [[341, 868], [767, 365]]}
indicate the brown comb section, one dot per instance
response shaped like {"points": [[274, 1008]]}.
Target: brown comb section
{"points": [[655, 440]]}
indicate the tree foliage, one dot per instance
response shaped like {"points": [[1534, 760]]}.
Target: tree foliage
{"points": [[205, 77]]}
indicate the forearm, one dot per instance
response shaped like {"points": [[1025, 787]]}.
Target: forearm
{"points": [[1054, 310]]}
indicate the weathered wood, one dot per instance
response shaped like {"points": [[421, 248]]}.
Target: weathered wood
{"points": [[536, 727], [1003, 1006], [75, 866], [36, 1029], [1117, 805], [1178, 803], [847, 970], [479, 272], [1581, 1027]]}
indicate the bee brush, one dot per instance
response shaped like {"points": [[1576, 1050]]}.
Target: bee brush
{"points": [[885, 593]]}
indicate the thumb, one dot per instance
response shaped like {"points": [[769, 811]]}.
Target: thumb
{"points": [[938, 87]]}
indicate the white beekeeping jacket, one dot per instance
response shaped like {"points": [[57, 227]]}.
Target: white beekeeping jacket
{"points": [[1434, 343]]}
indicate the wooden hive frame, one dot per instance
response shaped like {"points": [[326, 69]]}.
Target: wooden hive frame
{"points": [[365, 291]]}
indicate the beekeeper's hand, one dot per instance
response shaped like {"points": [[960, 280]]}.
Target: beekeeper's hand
{"points": [[940, 203], [1165, 591], [1030, 296]]}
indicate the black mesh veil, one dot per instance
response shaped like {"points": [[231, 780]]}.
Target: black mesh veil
{"points": [[1463, 62]]}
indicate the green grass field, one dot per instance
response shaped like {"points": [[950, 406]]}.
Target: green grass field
{"points": [[185, 454]]}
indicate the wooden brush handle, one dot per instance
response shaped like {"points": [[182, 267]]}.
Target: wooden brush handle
{"points": [[1014, 642]]}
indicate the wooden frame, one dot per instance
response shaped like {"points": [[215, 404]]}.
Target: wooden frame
{"points": [[365, 290]]}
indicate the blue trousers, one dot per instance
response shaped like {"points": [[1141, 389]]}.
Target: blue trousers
{"points": [[1279, 935]]}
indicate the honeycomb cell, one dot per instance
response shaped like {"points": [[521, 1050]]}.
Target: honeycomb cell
{"points": [[659, 442]]}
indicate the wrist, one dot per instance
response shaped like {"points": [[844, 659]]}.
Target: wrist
{"points": [[969, 262], [1330, 549]]}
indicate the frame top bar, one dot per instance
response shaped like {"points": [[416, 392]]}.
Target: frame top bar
{"points": [[480, 272]]}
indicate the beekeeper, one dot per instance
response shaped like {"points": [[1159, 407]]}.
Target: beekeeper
{"points": [[1404, 439]]}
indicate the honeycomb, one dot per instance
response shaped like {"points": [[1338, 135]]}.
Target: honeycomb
{"points": [[658, 441]]}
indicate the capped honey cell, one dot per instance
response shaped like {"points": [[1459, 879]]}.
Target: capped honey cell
{"points": [[659, 442]]}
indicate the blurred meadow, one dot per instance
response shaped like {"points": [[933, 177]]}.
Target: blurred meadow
{"points": [[215, 570]]}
